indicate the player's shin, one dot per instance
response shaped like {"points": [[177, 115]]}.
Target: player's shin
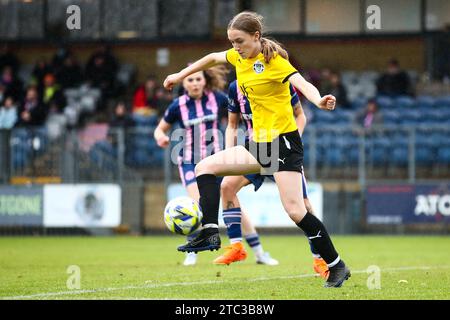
{"points": [[209, 190], [318, 235]]}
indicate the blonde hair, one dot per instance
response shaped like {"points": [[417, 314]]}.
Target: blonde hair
{"points": [[216, 78], [251, 22]]}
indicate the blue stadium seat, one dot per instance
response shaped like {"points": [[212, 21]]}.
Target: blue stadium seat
{"points": [[391, 116], [425, 102], [404, 102], [424, 155], [359, 103], [443, 155], [353, 156], [334, 157], [342, 117], [410, 116], [324, 118], [442, 102], [399, 156], [385, 102]]}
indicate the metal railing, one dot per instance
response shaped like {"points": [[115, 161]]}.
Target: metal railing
{"points": [[350, 153]]}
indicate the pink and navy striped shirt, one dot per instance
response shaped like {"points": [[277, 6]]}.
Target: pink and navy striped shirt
{"points": [[200, 119]]}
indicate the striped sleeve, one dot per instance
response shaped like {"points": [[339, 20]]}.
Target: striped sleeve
{"points": [[172, 113], [233, 103]]}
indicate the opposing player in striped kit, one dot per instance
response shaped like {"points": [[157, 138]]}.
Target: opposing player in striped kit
{"points": [[197, 113]]}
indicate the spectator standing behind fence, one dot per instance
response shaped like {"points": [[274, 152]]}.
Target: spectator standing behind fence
{"points": [[8, 113], [31, 112], [8, 59], [331, 82], [9, 84], [145, 99], [70, 75], [121, 120], [395, 81], [41, 68], [369, 116], [52, 95], [101, 71]]}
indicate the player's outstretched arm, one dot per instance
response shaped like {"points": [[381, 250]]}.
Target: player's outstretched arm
{"points": [[160, 134], [327, 102], [204, 63]]}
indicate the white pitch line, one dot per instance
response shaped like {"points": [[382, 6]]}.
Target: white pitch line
{"points": [[194, 283]]}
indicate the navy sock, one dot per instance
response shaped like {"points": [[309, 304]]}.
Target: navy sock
{"points": [[314, 251], [232, 219]]}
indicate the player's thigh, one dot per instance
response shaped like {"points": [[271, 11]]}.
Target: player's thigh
{"points": [[289, 185], [232, 161]]}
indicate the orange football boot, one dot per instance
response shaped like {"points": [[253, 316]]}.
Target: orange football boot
{"points": [[321, 267], [234, 252]]}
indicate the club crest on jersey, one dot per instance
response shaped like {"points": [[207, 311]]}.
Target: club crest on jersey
{"points": [[258, 67]]}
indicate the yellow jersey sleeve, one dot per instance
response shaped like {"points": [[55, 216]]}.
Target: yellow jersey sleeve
{"points": [[281, 69], [232, 56]]}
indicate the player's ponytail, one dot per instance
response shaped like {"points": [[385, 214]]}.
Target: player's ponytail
{"points": [[270, 48]]}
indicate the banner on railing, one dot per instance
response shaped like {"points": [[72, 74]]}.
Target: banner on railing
{"points": [[264, 206], [21, 206], [85, 205], [408, 204]]}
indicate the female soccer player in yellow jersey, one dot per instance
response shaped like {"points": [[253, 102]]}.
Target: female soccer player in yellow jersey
{"points": [[263, 73]]}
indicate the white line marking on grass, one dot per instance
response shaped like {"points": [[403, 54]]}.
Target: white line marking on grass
{"points": [[194, 283]]}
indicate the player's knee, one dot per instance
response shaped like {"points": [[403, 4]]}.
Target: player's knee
{"points": [[203, 167], [295, 210], [227, 189]]}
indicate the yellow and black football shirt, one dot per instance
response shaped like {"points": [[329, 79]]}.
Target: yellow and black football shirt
{"points": [[266, 87]]}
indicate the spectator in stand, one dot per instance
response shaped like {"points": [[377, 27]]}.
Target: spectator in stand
{"points": [[58, 59], [331, 82], [369, 116], [52, 96], [394, 81], [101, 71], [11, 86], [70, 74], [31, 112], [145, 100], [41, 68], [8, 114], [121, 118], [8, 59], [338, 90]]}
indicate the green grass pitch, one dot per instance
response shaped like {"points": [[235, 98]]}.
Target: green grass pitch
{"points": [[151, 268]]}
